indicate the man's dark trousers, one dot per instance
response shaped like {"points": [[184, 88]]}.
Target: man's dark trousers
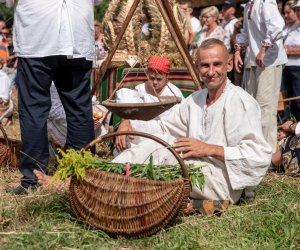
{"points": [[71, 78]]}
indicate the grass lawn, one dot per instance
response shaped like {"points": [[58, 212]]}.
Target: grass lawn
{"points": [[44, 220]]}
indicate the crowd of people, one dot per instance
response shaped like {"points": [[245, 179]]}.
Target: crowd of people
{"points": [[8, 71], [230, 131]]}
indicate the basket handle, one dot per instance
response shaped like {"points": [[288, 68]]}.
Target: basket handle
{"points": [[5, 135], [154, 138]]}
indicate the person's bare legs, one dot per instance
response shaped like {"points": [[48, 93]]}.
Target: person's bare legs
{"points": [[45, 181]]}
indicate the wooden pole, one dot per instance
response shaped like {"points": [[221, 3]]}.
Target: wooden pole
{"points": [[168, 16], [290, 99], [119, 37]]}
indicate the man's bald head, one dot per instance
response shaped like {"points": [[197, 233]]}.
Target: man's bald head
{"points": [[211, 43]]}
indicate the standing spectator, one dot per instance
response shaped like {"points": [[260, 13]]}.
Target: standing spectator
{"points": [[211, 27], [3, 45], [228, 12], [12, 60], [54, 45], [237, 76], [291, 72], [6, 104], [193, 25], [262, 33], [100, 51]]}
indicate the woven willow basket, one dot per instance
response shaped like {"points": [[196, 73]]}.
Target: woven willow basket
{"points": [[128, 206]]}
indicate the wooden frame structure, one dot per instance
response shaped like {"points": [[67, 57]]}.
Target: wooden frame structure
{"points": [[168, 16]]}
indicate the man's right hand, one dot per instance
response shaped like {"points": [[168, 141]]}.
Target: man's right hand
{"points": [[238, 62], [121, 140]]}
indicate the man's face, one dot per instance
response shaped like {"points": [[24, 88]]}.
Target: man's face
{"points": [[228, 12], [213, 64], [157, 80]]}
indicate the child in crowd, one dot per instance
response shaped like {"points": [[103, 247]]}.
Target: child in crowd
{"points": [[6, 104]]}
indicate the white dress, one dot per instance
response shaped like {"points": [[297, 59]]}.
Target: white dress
{"points": [[233, 122]]}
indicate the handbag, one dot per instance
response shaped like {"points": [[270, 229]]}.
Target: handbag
{"points": [[9, 151]]}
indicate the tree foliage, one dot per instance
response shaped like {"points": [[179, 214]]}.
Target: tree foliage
{"points": [[6, 14], [100, 10]]}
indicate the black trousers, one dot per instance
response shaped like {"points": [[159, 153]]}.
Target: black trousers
{"points": [[71, 78], [291, 81]]}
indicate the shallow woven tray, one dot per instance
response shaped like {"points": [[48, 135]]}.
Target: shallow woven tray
{"points": [[128, 206], [141, 111]]}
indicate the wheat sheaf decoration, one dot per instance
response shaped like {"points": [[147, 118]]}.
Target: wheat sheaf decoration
{"points": [[133, 42]]}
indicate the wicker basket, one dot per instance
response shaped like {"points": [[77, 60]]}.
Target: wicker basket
{"points": [[9, 151], [141, 111], [128, 206]]}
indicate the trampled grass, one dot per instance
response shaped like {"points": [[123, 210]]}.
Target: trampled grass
{"points": [[44, 220]]}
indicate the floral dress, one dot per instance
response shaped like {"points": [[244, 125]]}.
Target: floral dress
{"points": [[218, 33]]}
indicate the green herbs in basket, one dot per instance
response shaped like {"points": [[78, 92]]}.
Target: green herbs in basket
{"points": [[74, 163]]}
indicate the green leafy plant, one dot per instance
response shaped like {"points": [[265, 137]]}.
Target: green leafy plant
{"points": [[75, 163]]}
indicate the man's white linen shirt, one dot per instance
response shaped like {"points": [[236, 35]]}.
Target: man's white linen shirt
{"points": [[264, 26], [233, 122], [229, 29], [54, 27]]}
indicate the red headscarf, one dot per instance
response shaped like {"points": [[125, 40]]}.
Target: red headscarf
{"points": [[159, 63]]}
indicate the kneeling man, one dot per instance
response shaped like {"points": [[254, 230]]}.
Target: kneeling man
{"points": [[218, 127]]}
